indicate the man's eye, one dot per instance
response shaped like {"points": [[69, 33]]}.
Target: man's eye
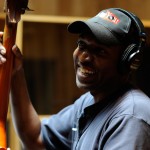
{"points": [[81, 44], [100, 52]]}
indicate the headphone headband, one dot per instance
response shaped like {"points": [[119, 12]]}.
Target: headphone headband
{"points": [[131, 58], [137, 22]]}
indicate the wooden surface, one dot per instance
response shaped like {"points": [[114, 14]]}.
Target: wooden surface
{"points": [[55, 15], [86, 7]]}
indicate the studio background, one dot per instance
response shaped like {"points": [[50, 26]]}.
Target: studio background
{"points": [[47, 47]]}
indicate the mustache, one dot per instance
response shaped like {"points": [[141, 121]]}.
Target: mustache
{"points": [[84, 64]]}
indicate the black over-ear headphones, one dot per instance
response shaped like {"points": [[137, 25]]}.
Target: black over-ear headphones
{"points": [[131, 58]]}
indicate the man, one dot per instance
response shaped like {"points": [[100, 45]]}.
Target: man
{"points": [[113, 114]]}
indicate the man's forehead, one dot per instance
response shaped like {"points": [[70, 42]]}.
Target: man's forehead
{"points": [[90, 37]]}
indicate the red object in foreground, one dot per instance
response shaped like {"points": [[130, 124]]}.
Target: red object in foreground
{"points": [[13, 9], [5, 77]]}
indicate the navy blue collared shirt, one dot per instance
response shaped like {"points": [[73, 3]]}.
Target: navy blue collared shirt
{"points": [[120, 124]]}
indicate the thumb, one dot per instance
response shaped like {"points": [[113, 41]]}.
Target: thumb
{"points": [[1, 36], [17, 51]]}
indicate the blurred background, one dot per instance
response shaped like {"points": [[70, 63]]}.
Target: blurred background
{"points": [[47, 47]]}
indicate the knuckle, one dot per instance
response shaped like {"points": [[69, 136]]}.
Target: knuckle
{"points": [[2, 59], [2, 50]]}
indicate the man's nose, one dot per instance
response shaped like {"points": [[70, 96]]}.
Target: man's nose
{"points": [[85, 56]]}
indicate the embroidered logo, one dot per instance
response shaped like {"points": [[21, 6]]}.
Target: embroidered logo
{"points": [[109, 16]]}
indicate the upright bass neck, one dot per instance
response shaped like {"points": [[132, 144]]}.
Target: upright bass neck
{"points": [[5, 77], [13, 9]]}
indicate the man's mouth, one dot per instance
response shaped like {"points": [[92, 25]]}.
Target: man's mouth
{"points": [[86, 71]]}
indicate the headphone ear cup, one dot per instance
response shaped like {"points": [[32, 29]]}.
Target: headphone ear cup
{"points": [[128, 58], [135, 60]]}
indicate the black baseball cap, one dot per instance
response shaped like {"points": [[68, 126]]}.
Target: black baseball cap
{"points": [[109, 26]]}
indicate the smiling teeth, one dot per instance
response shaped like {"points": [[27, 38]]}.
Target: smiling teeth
{"points": [[86, 71]]}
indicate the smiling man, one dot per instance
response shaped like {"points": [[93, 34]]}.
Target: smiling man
{"points": [[112, 114], [96, 65]]}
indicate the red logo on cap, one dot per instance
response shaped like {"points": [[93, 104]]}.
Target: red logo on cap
{"points": [[109, 17]]}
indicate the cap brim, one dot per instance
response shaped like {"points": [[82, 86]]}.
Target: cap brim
{"points": [[102, 34]]}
